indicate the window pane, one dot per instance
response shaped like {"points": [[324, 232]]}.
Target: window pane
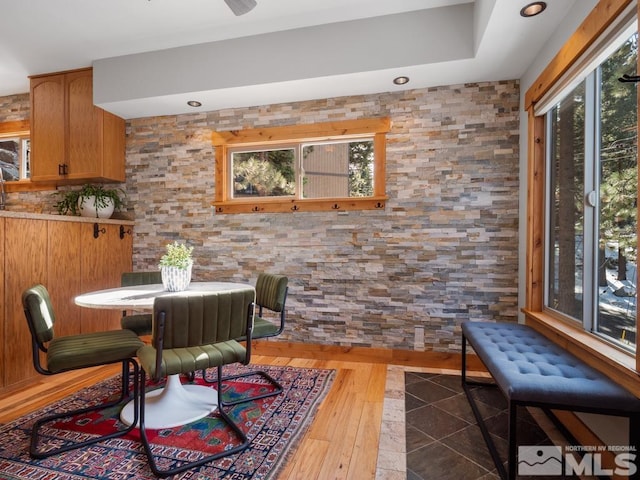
{"points": [[26, 158], [10, 158], [566, 222], [617, 244], [338, 169], [266, 173]]}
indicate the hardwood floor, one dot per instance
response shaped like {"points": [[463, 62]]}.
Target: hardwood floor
{"points": [[342, 442]]}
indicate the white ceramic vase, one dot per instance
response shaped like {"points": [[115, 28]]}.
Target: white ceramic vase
{"points": [[87, 207], [176, 279]]}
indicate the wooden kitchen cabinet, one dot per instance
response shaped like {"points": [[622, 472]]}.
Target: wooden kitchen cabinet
{"points": [[64, 256], [64, 276], [72, 140], [2, 315], [25, 264], [103, 260]]}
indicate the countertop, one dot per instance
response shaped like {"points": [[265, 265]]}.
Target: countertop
{"points": [[117, 219]]}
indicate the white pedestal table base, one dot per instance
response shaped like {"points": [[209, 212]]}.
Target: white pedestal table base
{"points": [[174, 405]]}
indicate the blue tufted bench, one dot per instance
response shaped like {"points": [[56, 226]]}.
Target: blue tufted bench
{"points": [[531, 370]]}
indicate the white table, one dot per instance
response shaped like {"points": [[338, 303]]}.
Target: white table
{"points": [[175, 404]]}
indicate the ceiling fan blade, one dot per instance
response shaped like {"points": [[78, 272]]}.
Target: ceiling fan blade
{"points": [[240, 7]]}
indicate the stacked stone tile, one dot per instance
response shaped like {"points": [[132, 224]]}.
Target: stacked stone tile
{"points": [[444, 250]]}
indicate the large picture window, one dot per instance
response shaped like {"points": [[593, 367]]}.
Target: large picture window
{"points": [[592, 190], [326, 166]]}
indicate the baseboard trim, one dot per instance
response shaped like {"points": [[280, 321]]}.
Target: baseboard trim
{"points": [[411, 358]]}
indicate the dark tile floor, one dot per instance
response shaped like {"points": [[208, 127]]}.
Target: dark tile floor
{"points": [[443, 440]]}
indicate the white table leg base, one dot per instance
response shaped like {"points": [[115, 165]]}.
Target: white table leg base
{"points": [[174, 405]]}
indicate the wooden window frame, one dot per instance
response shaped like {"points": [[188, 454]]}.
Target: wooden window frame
{"points": [[342, 130], [622, 366], [21, 128]]}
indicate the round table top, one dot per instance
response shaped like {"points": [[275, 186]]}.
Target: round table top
{"points": [[141, 297]]}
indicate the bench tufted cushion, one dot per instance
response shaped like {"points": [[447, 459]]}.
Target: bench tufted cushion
{"points": [[529, 368]]}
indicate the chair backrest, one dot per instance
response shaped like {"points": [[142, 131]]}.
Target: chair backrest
{"points": [[271, 291], [130, 279], [39, 313], [182, 321]]}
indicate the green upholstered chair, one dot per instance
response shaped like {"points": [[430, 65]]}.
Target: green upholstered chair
{"points": [[75, 352], [271, 296], [140, 323], [195, 332]]}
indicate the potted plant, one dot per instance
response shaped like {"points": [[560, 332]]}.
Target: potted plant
{"points": [[90, 201], [175, 267]]}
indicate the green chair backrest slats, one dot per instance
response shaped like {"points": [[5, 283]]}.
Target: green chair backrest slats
{"points": [[271, 291], [39, 313], [207, 318]]}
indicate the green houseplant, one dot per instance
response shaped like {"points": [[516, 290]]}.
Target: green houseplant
{"points": [[90, 201], [175, 267]]}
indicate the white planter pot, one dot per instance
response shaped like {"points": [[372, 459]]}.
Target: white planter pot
{"points": [[176, 279], [87, 207]]}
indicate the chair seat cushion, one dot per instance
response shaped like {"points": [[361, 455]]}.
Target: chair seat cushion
{"points": [[140, 324], [264, 328], [190, 359], [91, 349]]}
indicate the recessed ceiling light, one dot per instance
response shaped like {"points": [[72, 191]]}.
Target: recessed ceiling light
{"points": [[533, 9], [194, 103], [401, 80]]}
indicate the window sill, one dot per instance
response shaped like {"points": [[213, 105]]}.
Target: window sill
{"points": [[293, 206], [28, 186], [620, 366]]}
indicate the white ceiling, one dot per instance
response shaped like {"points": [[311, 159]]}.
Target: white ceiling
{"points": [[461, 41]]}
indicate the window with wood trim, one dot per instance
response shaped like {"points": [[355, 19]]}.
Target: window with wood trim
{"points": [[302, 168], [583, 188], [14, 151]]}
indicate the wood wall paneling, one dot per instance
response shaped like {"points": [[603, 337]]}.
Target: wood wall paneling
{"points": [[2, 310], [64, 275], [103, 261], [25, 265]]}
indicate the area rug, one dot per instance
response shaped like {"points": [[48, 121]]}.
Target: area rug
{"points": [[273, 424]]}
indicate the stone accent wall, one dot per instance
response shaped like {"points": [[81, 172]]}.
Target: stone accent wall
{"points": [[15, 107], [444, 250]]}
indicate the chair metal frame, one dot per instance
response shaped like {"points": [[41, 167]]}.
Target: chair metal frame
{"points": [[128, 365], [277, 386], [159, 330]]}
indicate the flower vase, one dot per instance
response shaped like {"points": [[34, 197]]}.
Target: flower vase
{"points": [[175, 279]]}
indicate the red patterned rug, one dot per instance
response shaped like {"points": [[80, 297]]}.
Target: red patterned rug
{"points": [[273, 424]]}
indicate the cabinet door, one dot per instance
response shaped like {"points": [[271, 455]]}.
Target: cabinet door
{"points": [[113, 152], [25, 265], [47, 127], [64, 275], [103, 260], [84, 127]]}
